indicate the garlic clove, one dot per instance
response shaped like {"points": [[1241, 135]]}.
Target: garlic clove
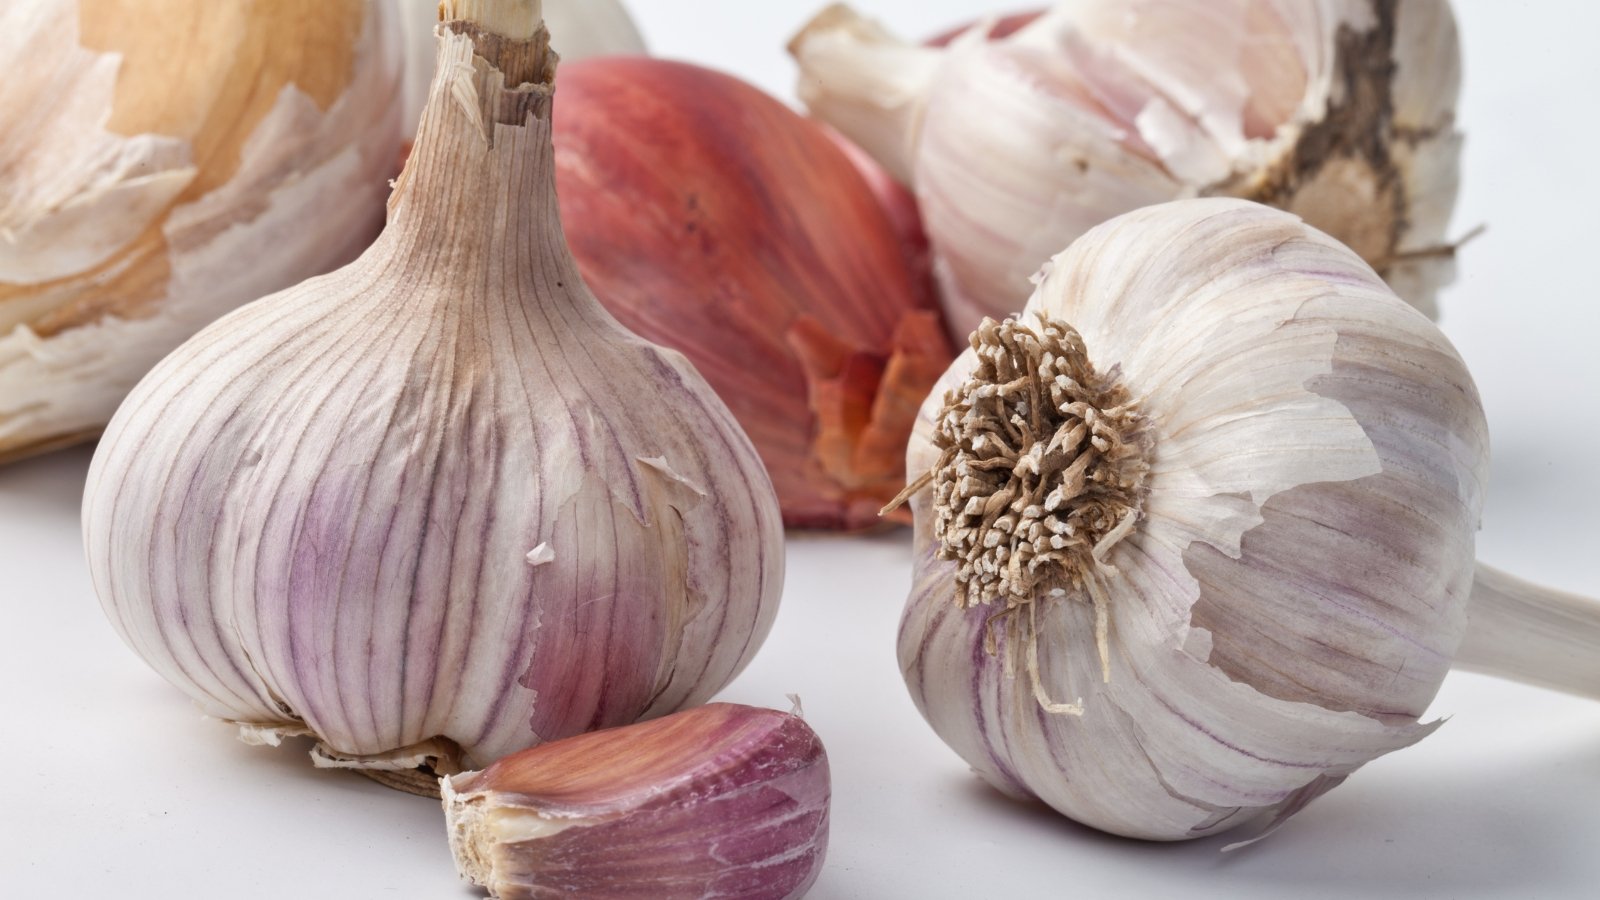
{"points": [[148, 148], [719, 801], [381, 449], [1270, 601], [1341, 112]]}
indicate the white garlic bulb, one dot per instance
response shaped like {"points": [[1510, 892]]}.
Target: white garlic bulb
{"points": [[1199, 541], [438, 506], [581, 28], [165, 162], [1341, 111]]}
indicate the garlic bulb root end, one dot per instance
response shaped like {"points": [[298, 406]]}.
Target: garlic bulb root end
{"points": [[1042, 470]]}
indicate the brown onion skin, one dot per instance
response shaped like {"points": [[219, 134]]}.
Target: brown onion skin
{"points": [[712, 219]]}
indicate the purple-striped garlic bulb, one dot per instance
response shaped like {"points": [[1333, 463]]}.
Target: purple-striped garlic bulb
{"points": [[1340, 111], [1195, 539], [438, 506], [719, 801]]}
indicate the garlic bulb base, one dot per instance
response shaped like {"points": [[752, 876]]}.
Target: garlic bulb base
{"points": [[1042, 471], [417, 782], [1042, 466]]}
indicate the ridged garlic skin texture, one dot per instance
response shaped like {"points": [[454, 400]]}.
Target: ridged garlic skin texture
{"points": [[1341, 111], [165, 162], [578, 28], [439, 493], [1292, 595]]}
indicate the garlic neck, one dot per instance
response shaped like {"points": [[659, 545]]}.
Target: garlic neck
{"points": [[518, 20], [476, 204]]}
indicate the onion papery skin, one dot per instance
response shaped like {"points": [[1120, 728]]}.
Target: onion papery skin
{"points": [[710, 218]]}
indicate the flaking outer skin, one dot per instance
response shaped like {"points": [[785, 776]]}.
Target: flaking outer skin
{"points": [[319, 513], [149, 148], [1289, 603]]}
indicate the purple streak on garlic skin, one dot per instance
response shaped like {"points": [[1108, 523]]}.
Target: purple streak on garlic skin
{"points": [[719, 801], [317, 515], [1297, 583]]}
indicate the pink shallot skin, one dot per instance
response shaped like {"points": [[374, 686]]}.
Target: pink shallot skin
{"points": [[710, 218]]}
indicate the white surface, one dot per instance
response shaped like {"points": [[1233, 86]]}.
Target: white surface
{"points": [[115, 786]]}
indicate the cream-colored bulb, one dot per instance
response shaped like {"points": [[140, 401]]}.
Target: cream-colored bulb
{"points": [[166, 162]]}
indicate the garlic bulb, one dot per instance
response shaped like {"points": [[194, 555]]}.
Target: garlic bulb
{"points": [[1341, 111], [712, 219], [437, 506], [1199, 541], [719, 801], [165, 162], [582, 28]]}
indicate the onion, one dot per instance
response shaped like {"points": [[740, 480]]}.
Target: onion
{"points": [[710, 218]]}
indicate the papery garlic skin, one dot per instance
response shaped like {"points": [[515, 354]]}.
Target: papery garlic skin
{"points": [[580, 28], [1341, 111], [1296, 583], [165, 163], [437, 506], [718, 801]]}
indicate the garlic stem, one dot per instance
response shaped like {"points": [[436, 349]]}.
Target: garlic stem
{"points": [[516, 20], [1533, 634], [436, 212]]}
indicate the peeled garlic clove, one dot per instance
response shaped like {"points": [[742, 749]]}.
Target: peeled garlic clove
{"points": [[720, 801], [710, 218], [1341, 112], [1246, 551], [148, 149], [437, 506], [582, 28]]}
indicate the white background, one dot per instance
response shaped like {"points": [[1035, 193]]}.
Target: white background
{"points": [[114, 786]]}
